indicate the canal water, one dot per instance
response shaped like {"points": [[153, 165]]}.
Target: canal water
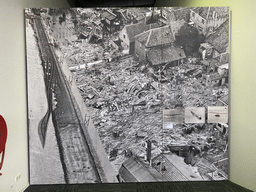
{"points": [[45, 164]]}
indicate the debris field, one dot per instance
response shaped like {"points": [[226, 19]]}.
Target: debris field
{"points": [[126, 100]]}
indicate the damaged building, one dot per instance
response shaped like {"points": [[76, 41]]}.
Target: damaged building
{"points": [[166, 167], [215, 56], [208, 19], [110, 21], [157, 47], [137, 15], [135, 169], [128, 33]]}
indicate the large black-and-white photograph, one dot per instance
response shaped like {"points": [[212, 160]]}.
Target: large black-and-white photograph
{"points": [[127, 94]]}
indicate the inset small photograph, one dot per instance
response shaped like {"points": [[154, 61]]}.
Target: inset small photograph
{"points": [[167, 125], [217, 114], [173, 116], [194, 115]]}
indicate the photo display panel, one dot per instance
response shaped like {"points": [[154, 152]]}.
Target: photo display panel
{"points": [[128, 94]]}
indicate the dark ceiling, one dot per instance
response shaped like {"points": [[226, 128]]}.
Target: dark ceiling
{"points": [[111, 3]]}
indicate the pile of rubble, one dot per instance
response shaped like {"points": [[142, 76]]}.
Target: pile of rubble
{"points": [[126, 100], [126, 105]]}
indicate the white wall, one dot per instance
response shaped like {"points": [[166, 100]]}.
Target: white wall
{"points": [[243, 89], [243, 86], [13, 89]]}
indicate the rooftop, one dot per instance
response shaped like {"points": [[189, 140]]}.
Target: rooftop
{"points": [[139, 12], [167, 54], [173, 168], [208, 12], [107, 14], [138, 28], [156, 37], [219, 39], [136, 169]]}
